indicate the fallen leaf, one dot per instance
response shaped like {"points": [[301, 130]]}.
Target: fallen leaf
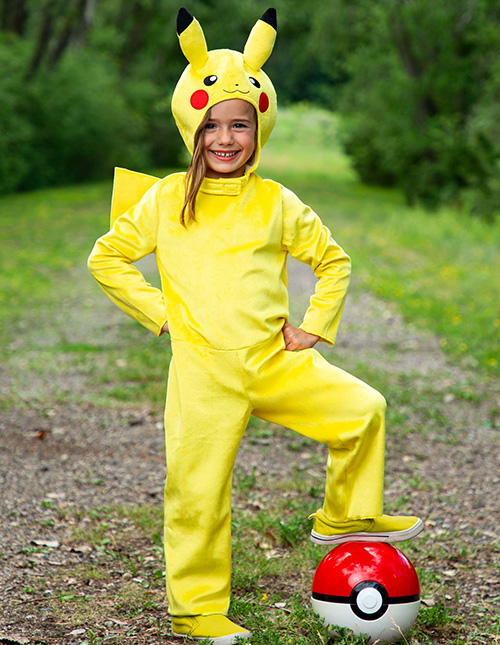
{"points": [[82, 548], [256, 504], [117, 622], [273, 553], [13, 639]]}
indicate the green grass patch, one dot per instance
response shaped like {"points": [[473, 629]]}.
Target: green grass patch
{"points": [[54, 318], [114, 587]]}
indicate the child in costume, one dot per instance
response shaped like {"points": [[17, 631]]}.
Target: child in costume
{"points": [[221, 236]]}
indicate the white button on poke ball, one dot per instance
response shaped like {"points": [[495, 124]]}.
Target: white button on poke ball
{"points": [[369, 600]]}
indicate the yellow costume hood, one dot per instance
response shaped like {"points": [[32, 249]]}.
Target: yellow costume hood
{"points": [[222, 74]]}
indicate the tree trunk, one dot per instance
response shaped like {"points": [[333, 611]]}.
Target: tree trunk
{"points": [[44, 38], [425, 107], [13, 16], [141, 19], [72, 27]]}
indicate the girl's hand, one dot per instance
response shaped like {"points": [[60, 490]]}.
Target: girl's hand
{"points": [[296, 338], [164, 329]]}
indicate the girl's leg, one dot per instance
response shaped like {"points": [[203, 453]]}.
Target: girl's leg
{"points": [[302, 391], [205, 418]]}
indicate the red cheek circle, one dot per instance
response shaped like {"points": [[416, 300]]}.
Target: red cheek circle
{"points": [[199, 99], [263, 102]]}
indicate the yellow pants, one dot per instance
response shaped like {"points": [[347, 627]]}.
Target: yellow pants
{"points": [[211, 395]]}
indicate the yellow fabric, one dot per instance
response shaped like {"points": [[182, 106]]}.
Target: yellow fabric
{"points": [[259, 45], [224, 277], [128, 188], [299, 390], [389, 524], [193, 45], [215, 626]]}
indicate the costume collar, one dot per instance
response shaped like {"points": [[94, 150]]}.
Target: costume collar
{"points": [[225, 186]]}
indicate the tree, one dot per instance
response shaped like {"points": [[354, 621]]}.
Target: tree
{"points": [[413, 93]]}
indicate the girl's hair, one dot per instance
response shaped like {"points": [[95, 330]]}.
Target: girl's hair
{"points": [[197, 168], [195, 173]]}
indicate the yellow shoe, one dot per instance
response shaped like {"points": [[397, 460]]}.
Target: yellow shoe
{"points": [[378, 529], [215, 627]]}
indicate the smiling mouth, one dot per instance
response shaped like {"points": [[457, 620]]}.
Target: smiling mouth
{"points": [[227, 156], [234, 91]]}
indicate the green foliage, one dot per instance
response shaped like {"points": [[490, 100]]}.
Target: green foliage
{"points": [[83, 125], [82, 93], [86, 86], [420, 82], [16, 130], [434, 616]]}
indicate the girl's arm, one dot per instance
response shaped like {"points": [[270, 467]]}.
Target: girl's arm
{"points": [[132, 237], [307, 239]]}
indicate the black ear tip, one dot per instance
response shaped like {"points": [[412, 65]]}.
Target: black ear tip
{"points": [[270, 17], [184, 19]]}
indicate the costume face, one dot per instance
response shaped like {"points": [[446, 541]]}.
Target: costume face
{"points": [[223, 74], [229, 138]]}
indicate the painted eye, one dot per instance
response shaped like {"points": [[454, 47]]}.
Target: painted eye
{"points": [[254, 81], [210, 80]]}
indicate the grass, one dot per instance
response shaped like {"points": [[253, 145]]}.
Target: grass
{"points": [[111, 580], [54, 316], [113, 588]]}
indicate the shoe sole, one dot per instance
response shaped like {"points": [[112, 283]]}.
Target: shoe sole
{"points": [[389, 536], [230, 639]]}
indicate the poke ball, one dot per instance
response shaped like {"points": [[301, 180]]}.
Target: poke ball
{"points": [[368, 587]]}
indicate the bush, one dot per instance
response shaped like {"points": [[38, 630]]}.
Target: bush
{"points": [[16, 131], [162, 139], [83, 126], [420, 96]]}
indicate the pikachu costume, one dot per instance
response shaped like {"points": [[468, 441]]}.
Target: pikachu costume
{"points": [[224, 294]]}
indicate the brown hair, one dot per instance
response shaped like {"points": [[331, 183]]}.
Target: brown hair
{"points": [[195, 173], [197, 169]]}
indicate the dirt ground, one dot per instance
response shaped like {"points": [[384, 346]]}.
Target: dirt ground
{"points": [[81, 456]]}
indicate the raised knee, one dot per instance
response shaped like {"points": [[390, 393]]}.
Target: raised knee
{"points": [[375, 403], [381, 403]]}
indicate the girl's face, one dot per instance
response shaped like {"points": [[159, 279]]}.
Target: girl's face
{"points": [[229, 138]]}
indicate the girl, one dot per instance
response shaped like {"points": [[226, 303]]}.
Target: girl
{"points": [[221, 235]]}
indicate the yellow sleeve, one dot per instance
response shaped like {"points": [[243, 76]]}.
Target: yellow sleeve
{"points": [[308, 240], [132, 237]]}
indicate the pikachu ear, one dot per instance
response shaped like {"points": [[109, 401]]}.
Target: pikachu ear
{"points": [[260, 42], [192, 39]]}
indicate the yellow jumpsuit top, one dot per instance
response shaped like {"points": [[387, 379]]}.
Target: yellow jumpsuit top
{"points": [[224, 276]]}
